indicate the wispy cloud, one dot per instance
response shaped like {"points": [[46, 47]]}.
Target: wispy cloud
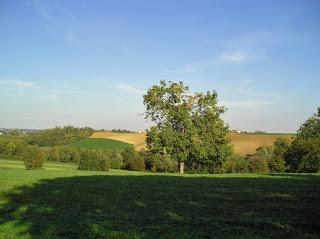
{"points": [[235, 57], [18, 83], [240, 56], [58, 22], [128, 88]]}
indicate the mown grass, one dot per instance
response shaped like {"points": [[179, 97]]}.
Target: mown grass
{"points": [[92, 143], [121, 204]]}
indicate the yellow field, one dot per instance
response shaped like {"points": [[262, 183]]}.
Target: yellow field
{"points": [[132, 138], [243, 143]]}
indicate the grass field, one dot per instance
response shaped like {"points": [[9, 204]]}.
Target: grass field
{"points": [[99, 143], [243, 144], [121, 204]]}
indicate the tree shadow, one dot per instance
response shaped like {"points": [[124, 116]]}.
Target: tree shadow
{"points": [[165, 207]]}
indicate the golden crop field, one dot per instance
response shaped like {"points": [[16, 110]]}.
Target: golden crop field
{"points": [[243, 143]]}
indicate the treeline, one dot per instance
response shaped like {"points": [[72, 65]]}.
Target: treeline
{"points": [[58, 136], [122, 131]]}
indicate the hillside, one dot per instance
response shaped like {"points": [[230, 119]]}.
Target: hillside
{"points": [[243, 143], [101, 143]]}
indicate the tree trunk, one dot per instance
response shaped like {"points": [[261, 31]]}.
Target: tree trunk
{"points": [[181, 167]]}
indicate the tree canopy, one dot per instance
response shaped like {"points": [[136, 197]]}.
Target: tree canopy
{"points": [[188, 126]]}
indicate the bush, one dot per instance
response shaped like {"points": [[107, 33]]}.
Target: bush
{"points": [[12, 147], [237, 164], [33, 157], [162, 163], [277, 162], [258, 164], [94, 160], [116, 160], [304, 156], [133, 160]]}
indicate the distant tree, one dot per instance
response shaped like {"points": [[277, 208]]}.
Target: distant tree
{"points": [[188, 126], [11, 148], [58, 136]]}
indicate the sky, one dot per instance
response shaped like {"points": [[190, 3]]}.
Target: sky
{"points": [[88, 63]]}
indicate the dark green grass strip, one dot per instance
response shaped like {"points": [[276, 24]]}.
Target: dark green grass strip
{"points": [[112, 205], [92, 143]]}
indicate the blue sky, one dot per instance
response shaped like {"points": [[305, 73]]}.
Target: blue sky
{"points": [[88, 63]]}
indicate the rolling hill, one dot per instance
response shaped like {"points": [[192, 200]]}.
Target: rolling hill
{"points": [[243, 143]]}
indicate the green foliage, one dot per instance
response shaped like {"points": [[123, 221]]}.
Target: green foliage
{"points": [[188, 126], [11, 147], [116, 161], [304, 156], [237, 164], [58, 136], [93, 143], [33, 157], [276, 163], [162, 163], [62, 154], [258, 164], [311, 128], [94, 160], [133, 160], [121, 131]]}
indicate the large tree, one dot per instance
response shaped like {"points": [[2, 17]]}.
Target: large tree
{"points": [[304, 153], [188, 127]]}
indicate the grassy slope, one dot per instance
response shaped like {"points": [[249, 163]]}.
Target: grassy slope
{"points": [[92, 143], [243, 143], [121, 204]]}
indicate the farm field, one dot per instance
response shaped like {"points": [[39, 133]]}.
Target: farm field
{"points": [[68, 203], [136, 139], [101, 143], [243, 143]]}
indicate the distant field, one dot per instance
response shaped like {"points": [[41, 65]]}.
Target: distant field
{"points": [[243, 143], [101, 143], [247, 143], [68, 203], [136, 139]]}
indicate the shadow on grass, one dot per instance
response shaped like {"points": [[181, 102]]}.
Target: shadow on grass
{"points": [[166, 207]]}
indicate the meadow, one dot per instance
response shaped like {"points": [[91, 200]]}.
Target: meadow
{"points": [[61, 202], [101, 143], [243, 143]]}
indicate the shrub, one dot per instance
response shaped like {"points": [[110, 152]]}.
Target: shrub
{"points": [[133, 160], [116, 160], [33, 157], [94, 160], [12, 147], [237, 164], [277, 162], [163, 163], [304, 156], [258, 164]]}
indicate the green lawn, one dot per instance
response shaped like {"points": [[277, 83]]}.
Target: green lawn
{"points": [[69, 203], [91, 143]]}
